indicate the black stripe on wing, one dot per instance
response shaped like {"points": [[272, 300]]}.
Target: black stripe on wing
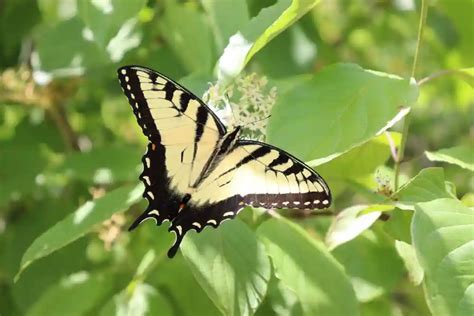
{"points": [[318, 195], [131, 78]]}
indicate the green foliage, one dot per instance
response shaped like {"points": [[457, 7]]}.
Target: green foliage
{"points": [[353, 105], [70, 153], [89, 289], [80, 222], [317, 292], [442, 235], [460, 155], [230, 266], [425, 186]]}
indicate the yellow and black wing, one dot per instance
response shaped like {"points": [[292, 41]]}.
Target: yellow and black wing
{"points": [[195, 173]]}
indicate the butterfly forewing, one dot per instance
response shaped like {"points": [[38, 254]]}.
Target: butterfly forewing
{"points": [[171, 116]]}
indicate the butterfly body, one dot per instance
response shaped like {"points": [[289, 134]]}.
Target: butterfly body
{"points": [[196, 174]]}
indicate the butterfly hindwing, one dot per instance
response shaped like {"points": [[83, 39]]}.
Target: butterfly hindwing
{"points": [[256, 174], [263, 175]]}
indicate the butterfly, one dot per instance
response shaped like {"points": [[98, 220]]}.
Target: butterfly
{"points": [[198, 174]]}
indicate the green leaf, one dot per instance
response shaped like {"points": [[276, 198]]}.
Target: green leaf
{"points": [[358, 164], [189, 36], [340, 108], [103, 165], [425, 186], [261, 29], [306, 267], [172, 274], [359, 161], [407, 252], [378, 307], [230, 265], [77, 53], [468, 199], [398, 225], [293, 48], [443, 238], [139, 300], [87, 291], [28, 148], [80, 222], [24, 15], [280, 300], [461, 13], [36, 280], [468, 75], [372, 264], [226, 18], [352, 221], [14, 183], [462, 156], [55, 11], [107, 19]]}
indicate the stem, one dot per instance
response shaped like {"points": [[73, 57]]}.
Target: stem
{"points": [[407, 120], [58, 115], [421, 26], [443, 73]]}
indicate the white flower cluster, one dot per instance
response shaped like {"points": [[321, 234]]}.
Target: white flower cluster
{"points": [[253, 108]]}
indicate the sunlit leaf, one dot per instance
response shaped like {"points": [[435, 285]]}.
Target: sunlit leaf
{"points": [[340, 108], [87, 290], [306, 267], [104, 165], [105, 20], [231, 266], [366, 260], [172, 274], [407, 253], [36, 280], [352, 221], [443, 238], [425, 186], [260, 30], [280, 300], [226, 18], [80, 222], [77, 54], [462, 156], [189, 36], [358, 164], [139, 300]]}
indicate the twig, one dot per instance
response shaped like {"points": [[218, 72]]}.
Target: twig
{"points": [[443, 73], [406, 122], [58, 115]]}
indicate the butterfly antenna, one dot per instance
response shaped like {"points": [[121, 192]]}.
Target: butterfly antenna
{"points": [[227, 101], [259, 120]]}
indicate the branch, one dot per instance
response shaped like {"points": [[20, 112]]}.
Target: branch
{"points": [[406, 122]]}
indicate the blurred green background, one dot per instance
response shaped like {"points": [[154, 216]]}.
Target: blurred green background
{"points": [[70, 149]]}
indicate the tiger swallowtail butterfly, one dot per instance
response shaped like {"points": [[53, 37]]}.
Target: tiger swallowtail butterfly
{"points": [[196, 173]]}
